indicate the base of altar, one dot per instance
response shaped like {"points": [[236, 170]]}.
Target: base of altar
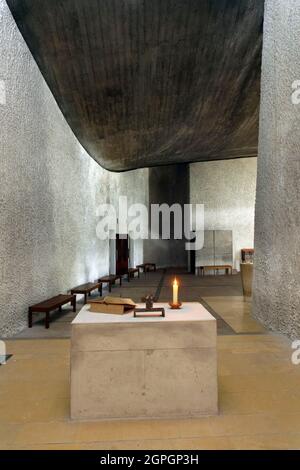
{"points": [[128, 368]]}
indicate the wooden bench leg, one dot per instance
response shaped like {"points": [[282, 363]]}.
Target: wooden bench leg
{"points": [[74, 303], [47, 320], [29, 318], [100, 290], [85, 298], [109, 286], [120, 280]]}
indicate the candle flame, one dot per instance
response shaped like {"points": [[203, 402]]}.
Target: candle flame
{"points": [[175, 282]]}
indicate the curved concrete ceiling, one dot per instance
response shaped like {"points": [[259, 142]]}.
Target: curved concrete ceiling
{"points": [[151, 82]]}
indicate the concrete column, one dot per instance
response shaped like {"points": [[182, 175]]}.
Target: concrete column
{"points": [[276, 294]]}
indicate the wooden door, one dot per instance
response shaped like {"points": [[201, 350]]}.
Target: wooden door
{"points": [[122, 254], [192, 256]]}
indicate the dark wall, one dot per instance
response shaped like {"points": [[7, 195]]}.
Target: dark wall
{"points": [[169, 185]]}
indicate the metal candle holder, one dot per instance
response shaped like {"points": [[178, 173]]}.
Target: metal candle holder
{"points": [[175, 306]]}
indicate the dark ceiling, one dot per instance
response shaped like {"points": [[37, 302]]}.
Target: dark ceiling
{"points": [[151, 82]]}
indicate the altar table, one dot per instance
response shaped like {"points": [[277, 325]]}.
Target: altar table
{"points": [[135, 368]]}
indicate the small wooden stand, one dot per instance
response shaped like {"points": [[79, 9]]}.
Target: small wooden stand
{"points": [[149, 312]]}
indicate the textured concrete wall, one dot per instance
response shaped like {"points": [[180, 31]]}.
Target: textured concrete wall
{"points": [[227, 190], [49, 190], [168, 185], [276, 297], [133, 185]]}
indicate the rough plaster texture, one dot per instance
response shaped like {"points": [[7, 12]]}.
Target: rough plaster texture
{"points": [[227, 190], [276, 289], [49, 190]]}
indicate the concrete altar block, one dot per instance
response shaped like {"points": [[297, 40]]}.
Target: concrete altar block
{"points": [[126, 367]]}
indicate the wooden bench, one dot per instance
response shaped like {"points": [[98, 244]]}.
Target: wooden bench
{"points": [[226, 267], [110, 280], [131, 273], [150, 267], [49, 305], [146, 267], [87, 288]]}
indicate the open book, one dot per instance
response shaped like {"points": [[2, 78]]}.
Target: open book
{"points": [[113, 305]]}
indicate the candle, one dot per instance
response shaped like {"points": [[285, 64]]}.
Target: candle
{"points": [[175, 292]]}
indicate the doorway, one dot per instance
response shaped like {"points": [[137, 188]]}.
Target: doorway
{"points": [[122, 254]]}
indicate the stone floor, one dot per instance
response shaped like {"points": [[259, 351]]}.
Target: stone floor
{"points": [[259, 393]]}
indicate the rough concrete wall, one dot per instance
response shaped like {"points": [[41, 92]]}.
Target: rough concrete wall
{"points": [[49, 190], [276, 296], [168, 185], [227, 190]]}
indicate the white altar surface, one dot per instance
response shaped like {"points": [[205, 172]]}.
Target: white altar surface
{"points": [[148, 367], [190, 311]]}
